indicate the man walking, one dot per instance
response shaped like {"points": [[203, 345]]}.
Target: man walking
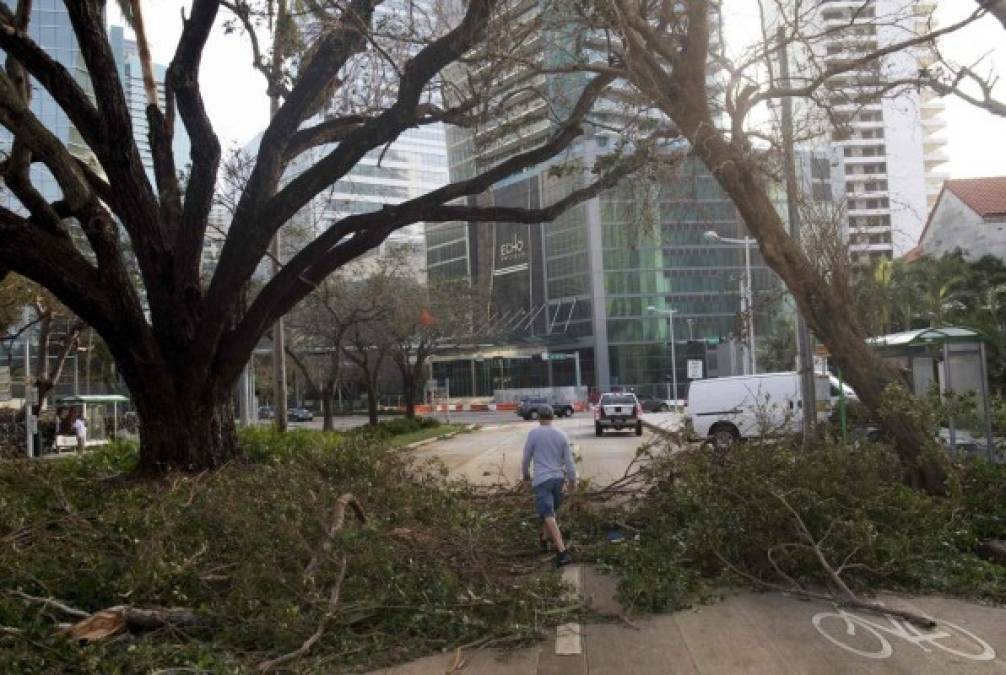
{"points": [[548, 449]]}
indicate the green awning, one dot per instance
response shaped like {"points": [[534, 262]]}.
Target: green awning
{"points": [[927, 336]]}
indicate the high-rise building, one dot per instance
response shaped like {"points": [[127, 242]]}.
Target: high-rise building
{"points": [[584, 282], [889, 149], [411, 166], [127, 59], [51, 29]]}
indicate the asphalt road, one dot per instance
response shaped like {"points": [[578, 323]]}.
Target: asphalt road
{"points": [[493, 453], [350, 421]]}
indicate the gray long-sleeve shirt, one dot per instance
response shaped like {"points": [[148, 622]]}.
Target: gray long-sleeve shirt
{"points": [[548, 448]]}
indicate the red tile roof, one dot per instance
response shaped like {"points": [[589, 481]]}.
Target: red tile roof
{"points": [[985, 196]]}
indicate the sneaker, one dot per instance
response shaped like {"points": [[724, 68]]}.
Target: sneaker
{"points": [[562, 559]]}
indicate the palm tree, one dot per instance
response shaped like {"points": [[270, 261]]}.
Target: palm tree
{"points": [[132, 12]]}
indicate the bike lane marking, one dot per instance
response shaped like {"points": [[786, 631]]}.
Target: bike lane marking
{"points": [[965, 638]]}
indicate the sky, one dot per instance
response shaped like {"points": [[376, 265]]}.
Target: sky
{"points": [[235, 93]]}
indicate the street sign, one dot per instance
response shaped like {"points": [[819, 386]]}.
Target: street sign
{"points": [[545, 356], [695, 369], [5, 388]]}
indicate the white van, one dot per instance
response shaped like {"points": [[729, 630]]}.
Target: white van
{"points": [[725, 409]]}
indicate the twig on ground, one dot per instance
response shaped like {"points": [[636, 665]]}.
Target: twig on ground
{"points": [[336, 522], [53, 603], [333, 604]]}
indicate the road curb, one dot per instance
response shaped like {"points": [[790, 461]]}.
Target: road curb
{"points": [[443, 437]]}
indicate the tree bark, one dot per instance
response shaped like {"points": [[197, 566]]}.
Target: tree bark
{"points": [[186, 435], [683, 94], [371, 385], [327, 396]]}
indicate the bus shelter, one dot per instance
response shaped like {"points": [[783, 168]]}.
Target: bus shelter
{"points": [[953, 359], [94, 410]]}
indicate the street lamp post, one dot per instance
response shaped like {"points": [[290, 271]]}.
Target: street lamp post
{"points": [[674, 360], [748, 295]]}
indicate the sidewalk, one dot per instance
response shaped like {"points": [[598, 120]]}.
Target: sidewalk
{"points": [[752, 633]]}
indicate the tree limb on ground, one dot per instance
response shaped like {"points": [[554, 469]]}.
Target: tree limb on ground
{"points": [[337, 521], [333, 603], [845, 594], [114, 620]]}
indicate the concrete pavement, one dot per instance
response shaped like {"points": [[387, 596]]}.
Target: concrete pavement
{"points": [[757, 633], [493, 453], [746, 632]]}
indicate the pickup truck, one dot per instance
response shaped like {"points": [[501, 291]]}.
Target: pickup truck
{"points": [[618, 411]]}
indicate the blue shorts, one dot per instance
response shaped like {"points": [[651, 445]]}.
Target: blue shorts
{"points": [[548, 497]]}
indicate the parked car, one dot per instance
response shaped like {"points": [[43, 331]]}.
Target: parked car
{"points": [[528, 407], [727, 409], [299, 415], [266, 412], [618, 411], [655, 404]]}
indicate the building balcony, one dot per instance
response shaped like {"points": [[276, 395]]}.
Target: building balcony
{"points": [[873, 194], [935, 157], [865, 159], [863, 177], [851, 107], [886, 211], [859, 142], [869, 248]]}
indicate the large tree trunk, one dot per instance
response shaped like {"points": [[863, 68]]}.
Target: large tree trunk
{"points": [[834, 322], [327, 416], [371, 385], [410, 401], [683, 93], [408, 388], [186, 435]]}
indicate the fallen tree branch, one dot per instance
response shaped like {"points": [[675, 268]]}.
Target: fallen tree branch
{"points": [[53, 603], [336, 522], [333, 603], [122, 618], [853, 602]]}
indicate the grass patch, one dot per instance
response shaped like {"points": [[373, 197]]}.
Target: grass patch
{"points": [[435, 566], [708, 515], [424, 434]]}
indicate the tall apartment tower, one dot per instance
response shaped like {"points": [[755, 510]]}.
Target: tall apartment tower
{"points": [[888, 150], [127, 59]]}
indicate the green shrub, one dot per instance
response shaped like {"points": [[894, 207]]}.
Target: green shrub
{"points": [[714, 515], [234, 545]]}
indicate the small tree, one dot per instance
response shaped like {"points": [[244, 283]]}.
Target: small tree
{"points": [[55, 325], [424, 319], [338, 320]]}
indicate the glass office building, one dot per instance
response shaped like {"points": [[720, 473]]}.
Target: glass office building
{"points": [[584, 282], [50, 28]]}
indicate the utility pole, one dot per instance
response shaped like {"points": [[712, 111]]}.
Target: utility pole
{"points": [[278, 332], [28, 436], [805, 358]]}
